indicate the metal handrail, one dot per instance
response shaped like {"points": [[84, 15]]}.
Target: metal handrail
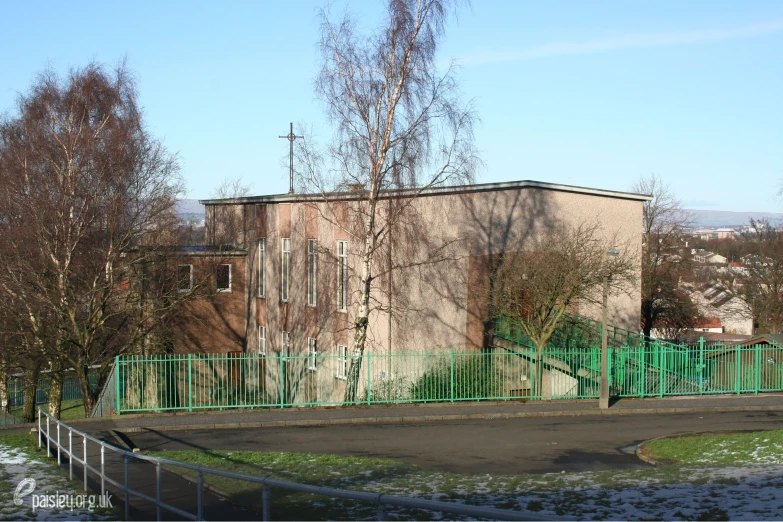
{"points": [[381, 499]]}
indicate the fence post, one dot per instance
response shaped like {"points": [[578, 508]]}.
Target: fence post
{"points": [[58, 443], [661, 368], [157, 490], [84, 464], [40, 444], [200, 496], [282, 397], [758, 368], [451, 380], [48, 452], [70, 453], [368, 378], [738, 364], [117, 376], [381, 509], [701, 365], [266, 500], [190, 382], [127, 494]]}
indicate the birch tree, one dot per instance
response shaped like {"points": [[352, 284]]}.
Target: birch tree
{"points": [[87, 194], [399, 129]]}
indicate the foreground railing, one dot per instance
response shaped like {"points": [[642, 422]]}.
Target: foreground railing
{"points": [[382, 500]]}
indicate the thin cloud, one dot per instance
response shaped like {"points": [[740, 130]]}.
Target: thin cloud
{"points": [[622, 42]]}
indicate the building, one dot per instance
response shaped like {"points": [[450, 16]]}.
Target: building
{"points": [[298, 259]]}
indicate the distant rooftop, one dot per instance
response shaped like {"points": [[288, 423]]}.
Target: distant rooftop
{"points": [[434, 191]]}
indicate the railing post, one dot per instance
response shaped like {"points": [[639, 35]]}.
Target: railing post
{"points": [[127, 494], [70, 454], [190, 382], [701, 365], [58, 444], [84, 464], [266, 500], [282, 394], [200, 496], [661, 368], [451, 378], [157, 490], [117, 377], [40, 444], [48, 452], [738, 364], [103, 471], [369, 388], [758, 368], [381, 509]]}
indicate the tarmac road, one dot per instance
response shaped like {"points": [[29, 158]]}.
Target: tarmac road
{"points": [[508, 446]]}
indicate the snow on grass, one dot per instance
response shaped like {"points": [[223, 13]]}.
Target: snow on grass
{"points": [[17, 464]]}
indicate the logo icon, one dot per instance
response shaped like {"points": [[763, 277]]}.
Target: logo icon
{"points": [[24, 488]]}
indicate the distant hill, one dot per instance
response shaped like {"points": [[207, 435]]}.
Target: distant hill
{"points": [[189, 206], [724, 218]]}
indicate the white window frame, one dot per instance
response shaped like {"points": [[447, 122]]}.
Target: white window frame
{"points": [[285, 268], [342, 362], [262, 267], [285, 342], [190, 281], [227, 289], [312, 354], [312, 272], [261, 340], [342, 276]]}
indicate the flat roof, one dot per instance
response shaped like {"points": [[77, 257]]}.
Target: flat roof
{"points": [[433, 191]]}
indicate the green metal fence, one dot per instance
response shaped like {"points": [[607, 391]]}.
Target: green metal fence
{"points": [[71, 388], [569, 368]]}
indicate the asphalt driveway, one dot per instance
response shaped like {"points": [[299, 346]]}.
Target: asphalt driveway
{"points": [[516, 445]]}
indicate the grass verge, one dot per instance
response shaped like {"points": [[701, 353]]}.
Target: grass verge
{"points": [[722, 449], [72, 409]]}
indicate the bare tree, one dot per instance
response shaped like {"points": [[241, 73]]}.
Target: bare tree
{"points": [[83, 186], [229, 220], [400, 129], [663, 262], [533, 289], [760, 281]]}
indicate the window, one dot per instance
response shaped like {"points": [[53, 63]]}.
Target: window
{"points": [[285, 342], [312, 267], [342, 276], [223, 278], [262, 267], [262, 340], [312, 354], [342, 362], [184, 278], [285, 266]]}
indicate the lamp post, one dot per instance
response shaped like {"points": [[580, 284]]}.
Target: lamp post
{"points": [[603, 398]]}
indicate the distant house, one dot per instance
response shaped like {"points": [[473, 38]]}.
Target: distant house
{"points": [[725, 233], [714, 301]]}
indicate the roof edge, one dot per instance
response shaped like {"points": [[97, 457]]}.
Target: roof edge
{"points": [[433, 191]]}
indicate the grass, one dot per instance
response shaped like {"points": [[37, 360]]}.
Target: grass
{"points": [[724, 449], [72, 409]]}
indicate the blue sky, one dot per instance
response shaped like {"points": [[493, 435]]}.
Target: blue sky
{"points": [[583, 93]]}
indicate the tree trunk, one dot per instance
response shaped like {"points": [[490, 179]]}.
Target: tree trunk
{"points": [[31, 374], [538, 386], [55, 389], [5, 400], [89, 396]]}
